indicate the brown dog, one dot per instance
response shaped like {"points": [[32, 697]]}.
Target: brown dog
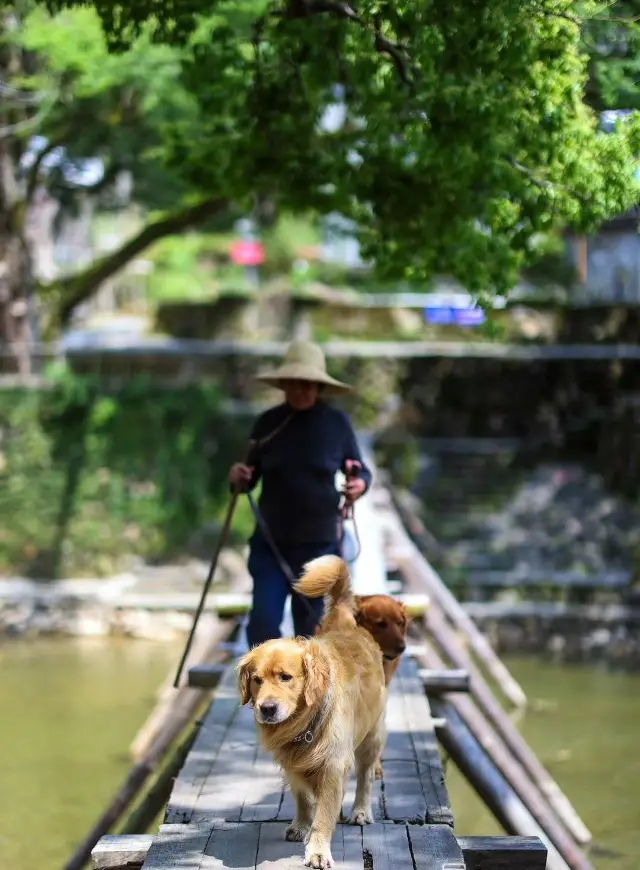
{"points": [[319, 704], [387, 621]]}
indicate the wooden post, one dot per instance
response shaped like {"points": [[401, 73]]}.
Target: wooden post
{"points": [[491, 787], [446, 639], [115, 852], [443, 681], [484, 736], [499, 853], [137, 776], [170, 698], [158, 795]]}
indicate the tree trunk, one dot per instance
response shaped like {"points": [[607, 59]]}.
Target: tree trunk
{"points": [[16, 278]]}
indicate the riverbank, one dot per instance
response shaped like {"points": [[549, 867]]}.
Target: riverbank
{"points": [[154, 602], [159, 604]]}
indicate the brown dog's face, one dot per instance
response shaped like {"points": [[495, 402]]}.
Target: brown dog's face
{"points": [[280, 677], [386, 620]]}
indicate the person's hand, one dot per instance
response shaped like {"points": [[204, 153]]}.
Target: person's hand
{"points": [[354, 488], [240, 474]]}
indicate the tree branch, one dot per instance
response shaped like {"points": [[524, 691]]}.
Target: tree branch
{"points": [[382, 44], [34, 171], [69, 292], [542, 182]]}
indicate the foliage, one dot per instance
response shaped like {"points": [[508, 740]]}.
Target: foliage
{"points": [[91, 476], [464, 136], [611, 36]]}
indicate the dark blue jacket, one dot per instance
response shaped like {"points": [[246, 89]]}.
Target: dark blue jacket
{"points": [[299, 500]]}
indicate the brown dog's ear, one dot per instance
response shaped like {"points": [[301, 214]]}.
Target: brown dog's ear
{"points": [[316, 674], [244, 677]]}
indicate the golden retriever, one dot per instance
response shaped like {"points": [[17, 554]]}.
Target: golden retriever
{"points": [[319, 705]]}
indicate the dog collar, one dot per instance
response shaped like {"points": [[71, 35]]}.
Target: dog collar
{"points": [[308, 735]]}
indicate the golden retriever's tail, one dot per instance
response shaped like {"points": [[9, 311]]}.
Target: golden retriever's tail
{"points": [[329, 576]]}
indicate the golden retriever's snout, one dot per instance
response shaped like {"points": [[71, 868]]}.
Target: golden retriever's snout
{"points": [[269, 713]]}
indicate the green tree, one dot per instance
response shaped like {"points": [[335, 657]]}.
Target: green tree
{"points": [[60, 83], [460, 130], [611, 36]]}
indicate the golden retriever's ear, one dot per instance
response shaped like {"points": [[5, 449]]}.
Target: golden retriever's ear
{"points": [[406, 614], [244, 677], [316, 674]]}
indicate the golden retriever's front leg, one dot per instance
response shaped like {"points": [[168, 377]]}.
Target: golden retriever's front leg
{"points": [[299, 827], [328, 802]]}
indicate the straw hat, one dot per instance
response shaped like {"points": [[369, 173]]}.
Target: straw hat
{"points": [[304, 361]]}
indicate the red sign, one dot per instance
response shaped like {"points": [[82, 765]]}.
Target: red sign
{"points": [[247, 253]]}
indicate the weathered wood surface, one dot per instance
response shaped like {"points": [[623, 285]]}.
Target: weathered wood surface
{"points": [[114, 852], [246, 846], [431, 846], [205, 676], [227, 775], [229, 605], [437, 682], [503, 853]]}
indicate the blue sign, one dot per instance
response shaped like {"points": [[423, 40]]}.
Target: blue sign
{"points": [[440, 316], [470, 316]]}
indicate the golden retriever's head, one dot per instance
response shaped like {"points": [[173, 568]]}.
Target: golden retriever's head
{"points": [[282, 677], [386, 620]]}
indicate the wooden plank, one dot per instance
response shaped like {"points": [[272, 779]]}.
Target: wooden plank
{"points": [[287, 808], [437, 682], [386, 847], [403, 796], [420, 727], [352, 858], [276, 853], [177, 847], [228, 604], [266, 798], [204, 752], [435, 847], [205, 676], [231, 846], [399, 745], [114, 851], [503, 853], [229, 782]]}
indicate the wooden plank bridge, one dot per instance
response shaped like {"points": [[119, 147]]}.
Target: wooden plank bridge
{"points": [[228, 807]]}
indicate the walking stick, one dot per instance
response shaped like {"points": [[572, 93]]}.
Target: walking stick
{"points": [[224, 534]]}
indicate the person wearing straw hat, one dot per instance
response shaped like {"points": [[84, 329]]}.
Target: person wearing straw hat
{"points": [[300, 446]]}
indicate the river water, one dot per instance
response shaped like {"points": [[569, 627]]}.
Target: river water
{"points": [[70, 708]]}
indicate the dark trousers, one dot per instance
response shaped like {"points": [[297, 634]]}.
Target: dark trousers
{"points": [[271, 589]]}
